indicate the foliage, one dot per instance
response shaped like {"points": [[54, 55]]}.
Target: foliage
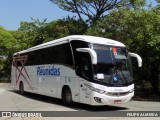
{"points": [[33, 33], [93, 9], [7, 42], [72, 24], [7, 48], [64, 27]]}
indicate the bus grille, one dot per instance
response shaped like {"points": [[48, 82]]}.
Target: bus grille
{"points": [[117, 94]]}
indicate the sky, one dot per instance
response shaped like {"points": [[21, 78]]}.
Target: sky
{"points": [[12, 12]]}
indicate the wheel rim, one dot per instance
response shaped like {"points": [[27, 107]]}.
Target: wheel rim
{"points": [[68, 97], [21, 89]]}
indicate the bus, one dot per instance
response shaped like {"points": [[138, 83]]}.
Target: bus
{"points": [[77, 68]]}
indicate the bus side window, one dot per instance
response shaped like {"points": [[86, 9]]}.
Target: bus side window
{"points": [[84, 66], [82, 61]]}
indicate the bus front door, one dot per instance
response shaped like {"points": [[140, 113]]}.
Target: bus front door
{"points": [[84, 92], [84, 71]]}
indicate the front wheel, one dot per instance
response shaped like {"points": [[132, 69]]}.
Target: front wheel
{"points": [[21, 88], [67, 96]]}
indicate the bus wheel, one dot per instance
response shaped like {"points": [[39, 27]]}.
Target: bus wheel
{"points": [[21, 88], [67, 96]]}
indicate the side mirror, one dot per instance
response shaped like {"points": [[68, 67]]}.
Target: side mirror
{"points": [[91, 52], [139, 59]]}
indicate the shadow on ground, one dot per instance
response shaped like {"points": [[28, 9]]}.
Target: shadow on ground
{"points": [[75, 106]]}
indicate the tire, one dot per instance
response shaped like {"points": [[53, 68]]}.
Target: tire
{"points": [[21, 88], [67, 97]]}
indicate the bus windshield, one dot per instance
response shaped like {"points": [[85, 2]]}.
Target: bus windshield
{"points": [[114, 63]]}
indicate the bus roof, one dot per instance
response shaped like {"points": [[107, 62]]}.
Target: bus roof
{"points": [[86, 38]]}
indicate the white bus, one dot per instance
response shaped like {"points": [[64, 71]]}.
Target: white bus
{"points": [[78, 68]]}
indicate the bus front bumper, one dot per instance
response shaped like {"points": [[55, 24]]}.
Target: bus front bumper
{"points": [[102, 99]]}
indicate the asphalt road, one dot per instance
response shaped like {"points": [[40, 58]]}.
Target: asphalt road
{"points": [[11, 100]]}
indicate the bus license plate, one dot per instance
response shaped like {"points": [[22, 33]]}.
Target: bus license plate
{"points": [[117, 101]]}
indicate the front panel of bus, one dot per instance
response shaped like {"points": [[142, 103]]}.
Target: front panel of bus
{"points": [[115, 71], [110, 81]]}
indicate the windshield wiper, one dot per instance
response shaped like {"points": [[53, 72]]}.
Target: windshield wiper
{"points": [[123, 76]]}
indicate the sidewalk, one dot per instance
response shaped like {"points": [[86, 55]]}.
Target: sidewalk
{"points": [[4, 85]]}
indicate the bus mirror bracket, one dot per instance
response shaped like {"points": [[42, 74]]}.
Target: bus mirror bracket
{"points": [[91, 52], [139, 59]]}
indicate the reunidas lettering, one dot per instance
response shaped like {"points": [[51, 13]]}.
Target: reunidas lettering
{"points": [[48, 71]]}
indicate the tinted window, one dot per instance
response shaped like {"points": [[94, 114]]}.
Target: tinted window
{"points": [[82, 60], [78, 44], [105, 59], [60, 54], [84, 67]]}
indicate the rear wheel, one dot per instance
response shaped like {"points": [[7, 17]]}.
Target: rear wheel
{"points": [[21, 88], [67, 96]]}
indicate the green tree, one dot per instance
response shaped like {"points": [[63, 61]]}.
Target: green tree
{"points": [[136, 4], [8, 44], [92, 9], [74, 26], [55, 30], [64, 27], [33, 33], [36, 32]]}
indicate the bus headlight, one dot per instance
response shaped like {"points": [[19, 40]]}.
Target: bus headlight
{"points": [[95, 89], [100, 91]]}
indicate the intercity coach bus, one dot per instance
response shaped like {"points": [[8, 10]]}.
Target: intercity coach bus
{"points": [[78, 68]]}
